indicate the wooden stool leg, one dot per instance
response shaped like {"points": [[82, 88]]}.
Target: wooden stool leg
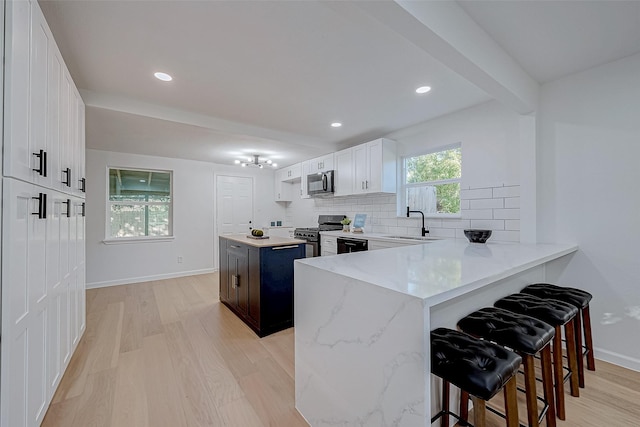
{"points": [[444, 422], [479, 412], [572, 356], [586, 318], [578, 333], [530, 389], [547, 384], [559, 375], [464, 408], [511, 403]]}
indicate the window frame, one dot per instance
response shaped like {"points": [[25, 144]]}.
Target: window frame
{"points": [[402, 199], [108, 203]]}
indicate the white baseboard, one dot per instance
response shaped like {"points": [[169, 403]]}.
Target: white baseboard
{"points": [[127, 281], [617, 359]]}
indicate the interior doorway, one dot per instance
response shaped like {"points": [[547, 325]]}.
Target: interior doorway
{"points": [[234, 206]]}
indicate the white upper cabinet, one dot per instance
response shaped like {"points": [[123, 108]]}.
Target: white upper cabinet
{"points": [[304, 170], [321, 164], [42, 105], [283, 190], [374, 167], [291, 173], [344, 177]]}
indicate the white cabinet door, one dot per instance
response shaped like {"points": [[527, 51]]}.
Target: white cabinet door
{"points": [[343, 178], [321, 164], [291, 173], [27, 43], [328, 245], [304, 191], [23, 389], [360, 168], [54, 331], [283, 189]]}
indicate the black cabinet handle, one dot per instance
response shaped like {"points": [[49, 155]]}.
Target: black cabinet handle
{"points": [[42, 167], [68, 203], [67, 180], [83, 184], [42, 206], [83, 209]]}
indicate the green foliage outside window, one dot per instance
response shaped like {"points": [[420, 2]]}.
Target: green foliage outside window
{"points": [[433, 181]]}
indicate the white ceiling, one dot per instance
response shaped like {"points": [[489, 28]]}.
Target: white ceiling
{"points": [[551, 39], [271, 76]]}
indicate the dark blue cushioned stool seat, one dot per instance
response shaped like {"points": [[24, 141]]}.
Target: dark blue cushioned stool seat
{"points": [[581, 300], [480, 368], [527, 336], [557, 314]]}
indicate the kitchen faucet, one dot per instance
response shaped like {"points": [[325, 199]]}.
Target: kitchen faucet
{"points": [[424, 230]]}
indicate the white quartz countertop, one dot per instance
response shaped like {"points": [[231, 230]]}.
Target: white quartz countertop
{"points": [[262, 243], [442, 269]]}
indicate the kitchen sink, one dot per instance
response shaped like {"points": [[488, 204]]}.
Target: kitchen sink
{"points": [[411, 237]]}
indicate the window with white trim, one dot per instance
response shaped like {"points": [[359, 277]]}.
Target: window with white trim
{"points": [[431, 182], [139, 203]]}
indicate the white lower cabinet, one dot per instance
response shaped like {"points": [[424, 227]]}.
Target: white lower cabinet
{"points": [[328, 245], [42, 308]]}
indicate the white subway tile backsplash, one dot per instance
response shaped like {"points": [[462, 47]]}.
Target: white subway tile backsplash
{"points": [[512, 202], [488, 224], [456, 223], [512, 224], [506, 213], [482, 193], [513, 191], [492, 206], [478, 214], [486, 204]]}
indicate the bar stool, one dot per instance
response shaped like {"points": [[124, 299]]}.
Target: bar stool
{"points": [[479, 368], [557, 314], [527, 336], [580, 299]]}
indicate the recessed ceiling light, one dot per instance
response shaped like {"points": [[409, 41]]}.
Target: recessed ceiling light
{"points": [[423, 89], [336, 124], [163, 76], [142, 180], [275, 165], [237, 162]]}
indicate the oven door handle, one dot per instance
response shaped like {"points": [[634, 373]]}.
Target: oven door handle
{"points": [[325, 182]]}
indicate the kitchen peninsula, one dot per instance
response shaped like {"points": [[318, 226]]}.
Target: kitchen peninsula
{"points": [[362, 354], [256, 280]]}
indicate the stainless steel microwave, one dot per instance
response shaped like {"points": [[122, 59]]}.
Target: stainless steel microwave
{"points": [[320, 184]]}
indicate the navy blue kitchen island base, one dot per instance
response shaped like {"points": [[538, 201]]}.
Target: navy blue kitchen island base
{"points": [[256, 280]]}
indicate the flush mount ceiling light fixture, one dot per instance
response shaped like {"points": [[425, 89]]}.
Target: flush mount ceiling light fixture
{"points": [[163, 76], [255, 161]]}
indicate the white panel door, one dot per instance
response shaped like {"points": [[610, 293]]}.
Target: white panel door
{"points": [[23, 380], [234, 203]]}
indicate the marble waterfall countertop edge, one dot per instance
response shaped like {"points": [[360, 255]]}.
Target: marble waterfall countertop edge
{"points": [[262, 243], [441, 270]]}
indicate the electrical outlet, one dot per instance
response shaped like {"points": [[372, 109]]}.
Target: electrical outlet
{"points": [[179, 260]]}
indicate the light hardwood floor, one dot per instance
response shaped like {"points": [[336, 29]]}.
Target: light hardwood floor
{"points": [[167, 353]]}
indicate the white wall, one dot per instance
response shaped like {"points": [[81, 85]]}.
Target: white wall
{"points": [[490, 137], [193, 219], [588, 178]]}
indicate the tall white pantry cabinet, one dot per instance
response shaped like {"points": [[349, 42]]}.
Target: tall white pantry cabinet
{"points": [[43, 222]]}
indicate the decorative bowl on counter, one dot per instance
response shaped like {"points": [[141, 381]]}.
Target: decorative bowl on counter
{"points": [[477, 236]]}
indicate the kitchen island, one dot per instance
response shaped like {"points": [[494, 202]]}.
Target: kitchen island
{"points": [[256, 280], [362, 353]]}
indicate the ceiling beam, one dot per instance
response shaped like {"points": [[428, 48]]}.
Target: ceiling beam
{"points": [[446, 32], [140, 108]]}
